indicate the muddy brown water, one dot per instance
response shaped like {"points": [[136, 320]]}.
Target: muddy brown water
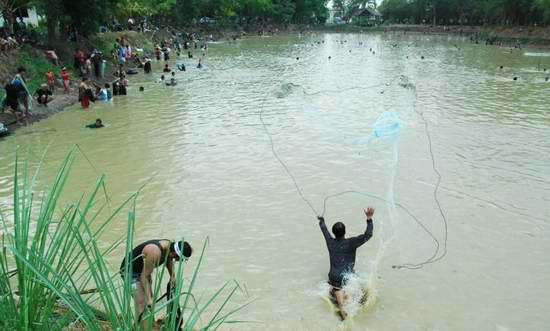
{"points": [[210, 171]]}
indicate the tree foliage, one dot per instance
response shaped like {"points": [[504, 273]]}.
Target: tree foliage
{"points": [[474, 12], [86, 16]]}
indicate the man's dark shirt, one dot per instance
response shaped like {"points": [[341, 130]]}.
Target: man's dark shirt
{"points": [[342, 252], [41, 92], [11, 92]]}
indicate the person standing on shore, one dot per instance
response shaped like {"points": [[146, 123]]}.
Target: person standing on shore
{"points": [[79, 59], [88, 67], [50, 79], [97, 60], [121, 56], [146, 257], [342, 255], [66, 79], [12, 100], [84, 93], [19, 81]]}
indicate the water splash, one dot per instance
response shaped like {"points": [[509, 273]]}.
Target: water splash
{"points": [[287, 89], [362, 291]]}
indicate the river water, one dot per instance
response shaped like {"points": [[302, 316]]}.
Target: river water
{"points": [[210, 171]]}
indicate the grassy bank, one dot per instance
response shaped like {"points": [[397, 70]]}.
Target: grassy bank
{"points": [[37, 66], [54, 272], [105, 41]]}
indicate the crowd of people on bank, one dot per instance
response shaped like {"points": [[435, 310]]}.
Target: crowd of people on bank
{"points": [[8, 43], [90, 71], [18, 35]]}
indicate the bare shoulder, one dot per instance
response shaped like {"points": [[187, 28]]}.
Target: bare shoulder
{"points": [[152, 251]]}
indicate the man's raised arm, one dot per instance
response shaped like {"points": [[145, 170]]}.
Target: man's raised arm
{"points": [[324, 229], [363, 238]]}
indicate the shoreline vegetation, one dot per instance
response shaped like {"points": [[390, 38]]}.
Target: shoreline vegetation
{"points": [[54, 272], [36, 64]]}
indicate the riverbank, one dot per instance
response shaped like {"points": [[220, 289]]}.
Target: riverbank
{"points": [[513, 35], [33, 60]]}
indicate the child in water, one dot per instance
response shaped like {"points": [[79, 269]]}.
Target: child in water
{"points": [[173, 81], [98, 124], [109, 93], [123, 85]]}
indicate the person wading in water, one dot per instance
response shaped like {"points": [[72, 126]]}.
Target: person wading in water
{"points": [[342, 255], [145, 258]]}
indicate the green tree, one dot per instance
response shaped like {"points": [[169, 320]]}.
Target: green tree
{"points": [[186, 10], [53, 11], [543, 6], [283, 10], [8, 8], [310, 11]]}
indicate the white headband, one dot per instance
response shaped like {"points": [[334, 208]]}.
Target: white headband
{"points": [[177, 249]]}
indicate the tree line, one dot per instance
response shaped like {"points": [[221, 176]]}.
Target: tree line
{"points": [[87, 16], [470, 12]]}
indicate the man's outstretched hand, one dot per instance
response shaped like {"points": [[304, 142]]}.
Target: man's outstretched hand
{"points": [[369, 212], [321, 218]]}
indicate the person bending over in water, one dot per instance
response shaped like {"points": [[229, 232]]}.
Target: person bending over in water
{"points": [[342, 255], [145, 258]]}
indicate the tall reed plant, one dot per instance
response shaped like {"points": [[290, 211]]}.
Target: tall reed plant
{"points": [[54, 274]]}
